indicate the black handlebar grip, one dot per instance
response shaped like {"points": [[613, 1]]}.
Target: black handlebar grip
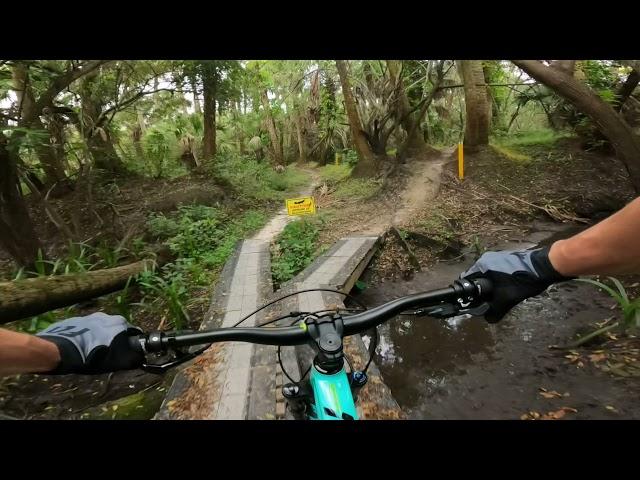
{"points": [[134, 343], [484, 287]]}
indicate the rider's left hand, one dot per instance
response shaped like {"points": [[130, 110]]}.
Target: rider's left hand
{"points": [[96, 343]]}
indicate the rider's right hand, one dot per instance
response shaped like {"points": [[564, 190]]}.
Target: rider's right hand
{"points": [[516, 276]]}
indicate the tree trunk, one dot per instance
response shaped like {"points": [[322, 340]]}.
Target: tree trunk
{"points": [[50, 162], [565, 66], [96, 129], [23, 91], [476, 104], [17, 235], [29, 118], [610, 123], [104, 153], [415, 140], [493, 104], [24, 298], [367, 165], [136, 136], [276, 143], [626, 89], [237, 128], [209, 93], [302, 157]]}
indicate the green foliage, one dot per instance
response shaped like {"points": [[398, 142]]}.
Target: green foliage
{"points": [[203, 238], [295, 249], [533, 137], [40, 265], [201, 232], [478, 246], [26, 138], [168, 290], [510, 154], [78, 259], [235, 231], [162, 227], [347, 188], [122, 302], [37, 323], [197, 237], [630, 307], [258, 180], [332, 174], [161, 149], [350, 157], [107, 255], [437, 227], [601, 77], [357, 189], [40, 322]]}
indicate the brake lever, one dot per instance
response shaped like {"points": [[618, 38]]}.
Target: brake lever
{"points": [[163, 367], [447, 310]]}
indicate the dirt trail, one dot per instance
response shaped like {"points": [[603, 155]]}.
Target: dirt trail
{"points": [[281, 219], [423, 185]]}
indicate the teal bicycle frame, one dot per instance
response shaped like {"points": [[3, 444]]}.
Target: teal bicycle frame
{"points": [[332, 396]]}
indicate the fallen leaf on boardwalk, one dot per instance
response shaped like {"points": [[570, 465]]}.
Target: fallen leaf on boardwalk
{"points": [[580, 364], [530, 416], [558, 414], [609, 407], [596, 357], [554, 415], [549, 394]]}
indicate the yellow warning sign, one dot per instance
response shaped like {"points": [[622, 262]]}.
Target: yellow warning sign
{"points": [[301, 206]]}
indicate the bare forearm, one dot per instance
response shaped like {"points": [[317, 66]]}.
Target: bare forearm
{"points": [[22, 353], [610, 247]]}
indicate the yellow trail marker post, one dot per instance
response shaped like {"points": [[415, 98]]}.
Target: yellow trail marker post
{"points": [[460, 161], [301, 206]]}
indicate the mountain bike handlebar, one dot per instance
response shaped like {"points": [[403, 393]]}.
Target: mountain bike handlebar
{"points": [[460, 297]]}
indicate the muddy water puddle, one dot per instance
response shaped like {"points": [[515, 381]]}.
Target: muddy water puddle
{"points": [[465, 368]]}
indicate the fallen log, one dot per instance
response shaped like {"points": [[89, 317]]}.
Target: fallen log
{"points": [[32, 296]]}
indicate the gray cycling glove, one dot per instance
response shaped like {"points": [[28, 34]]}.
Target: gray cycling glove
{"points": [[516, 276], [97, 343]]}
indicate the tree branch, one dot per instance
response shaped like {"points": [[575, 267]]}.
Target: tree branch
{"points": [[62, 82], [118, 107]]}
